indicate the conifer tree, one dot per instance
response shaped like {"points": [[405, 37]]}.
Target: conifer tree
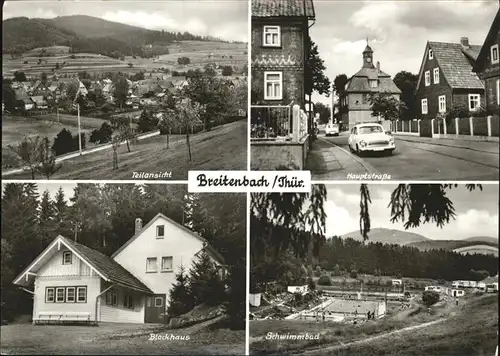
{"points": [[180, 298], [205, 282]]}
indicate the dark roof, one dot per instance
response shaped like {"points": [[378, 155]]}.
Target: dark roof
{"points": [[489, 40], [456, 64], [368, 49], [108, 267], [359, 82], [283, 8]]}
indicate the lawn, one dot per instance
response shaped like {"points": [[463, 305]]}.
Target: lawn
{"points": [[223, 148], [14, 128], [117, 339], [471, 331]]}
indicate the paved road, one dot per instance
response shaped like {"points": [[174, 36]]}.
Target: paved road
{"points": [[421, 159]]}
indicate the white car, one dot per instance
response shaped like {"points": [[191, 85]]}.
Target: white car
{"points": [[332, 130], [371, 137]]}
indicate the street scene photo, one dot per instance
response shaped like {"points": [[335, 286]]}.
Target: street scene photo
{"points": [[123, 90], [375, 269], [391, 90], [122, 269]]}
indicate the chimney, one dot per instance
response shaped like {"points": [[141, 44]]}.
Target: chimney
{"points": [[378, 67], [138, 225], [464, 41]]}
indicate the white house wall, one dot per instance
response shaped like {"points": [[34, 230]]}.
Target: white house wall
{"points": [[118, 313], [55, 267], [179, 244], [92, 283]]}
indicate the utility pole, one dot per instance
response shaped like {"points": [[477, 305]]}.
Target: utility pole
{"points": [[79, 131]]}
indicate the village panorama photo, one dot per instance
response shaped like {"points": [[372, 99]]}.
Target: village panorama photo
{"points": [[116, 90], [393, 90], [122, 269], [375, 269]]}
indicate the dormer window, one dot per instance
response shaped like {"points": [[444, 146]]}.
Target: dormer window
{"points": [[373, 83], [431, 54], [67, 257], [494, 54], [160, 231], [271, 36]]}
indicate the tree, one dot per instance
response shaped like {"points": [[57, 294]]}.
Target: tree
{"points": [[20, 77], [120, 90], [227, 71], [63, 142], [205, 283], [102, 134], [339, 86], [115, 143], [315, 77], [180, 297], [43, 77], [47, 158], [46, 222], [187, 113], [28, 153], [324, 280], [183, 60], [124, 130], [385, 106], [71, 91], [430, 297], [147, 122], [407, 83], [8, 96], [211, 92], [323, 111]]}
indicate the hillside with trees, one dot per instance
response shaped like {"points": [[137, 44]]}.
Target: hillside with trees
{"points": [[86, 34]]}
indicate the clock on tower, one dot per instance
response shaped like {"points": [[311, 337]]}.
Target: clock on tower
{"points": [[368, 57]]}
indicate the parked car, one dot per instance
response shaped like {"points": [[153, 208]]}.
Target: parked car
{"points": [[332, 130], [371, 137]]}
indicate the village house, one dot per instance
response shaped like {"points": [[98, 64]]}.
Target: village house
{"points": [[280, 45], [73, 282], [40, 102], [487, 66], [370, 79], [280, 35], [446, 79]]}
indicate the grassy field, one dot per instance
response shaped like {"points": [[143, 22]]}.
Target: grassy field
{"points": [[476, 314], [471, 331], [200, 53], [117, 339], [223, 148], [14, 128]]}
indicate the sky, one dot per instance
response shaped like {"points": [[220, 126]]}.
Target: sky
{"points": [[476, 212], [397, 31], [225, 19]]}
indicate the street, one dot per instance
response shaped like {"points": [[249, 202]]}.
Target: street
{"points": [[414, 158]]}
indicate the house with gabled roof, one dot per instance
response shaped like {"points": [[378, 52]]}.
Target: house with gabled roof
{"points": [[72, 282], [487, 66], [368, 80], [446, 78]]}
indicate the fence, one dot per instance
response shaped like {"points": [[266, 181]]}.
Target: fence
{"points": [[457, 127], [270, 122]]}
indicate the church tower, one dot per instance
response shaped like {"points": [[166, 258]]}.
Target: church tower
{"points": [[368, 56]]}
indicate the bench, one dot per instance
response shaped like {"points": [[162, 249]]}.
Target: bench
{"points": [[63, 317]]}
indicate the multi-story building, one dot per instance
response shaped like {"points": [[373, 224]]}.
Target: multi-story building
{"points": [[446, 79], [487, 67]]}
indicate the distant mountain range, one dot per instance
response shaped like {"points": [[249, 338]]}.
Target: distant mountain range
{"points": [[410, 239], [85, 34]]}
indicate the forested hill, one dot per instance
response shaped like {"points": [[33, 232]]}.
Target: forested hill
{"points": [[85, 34]]}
